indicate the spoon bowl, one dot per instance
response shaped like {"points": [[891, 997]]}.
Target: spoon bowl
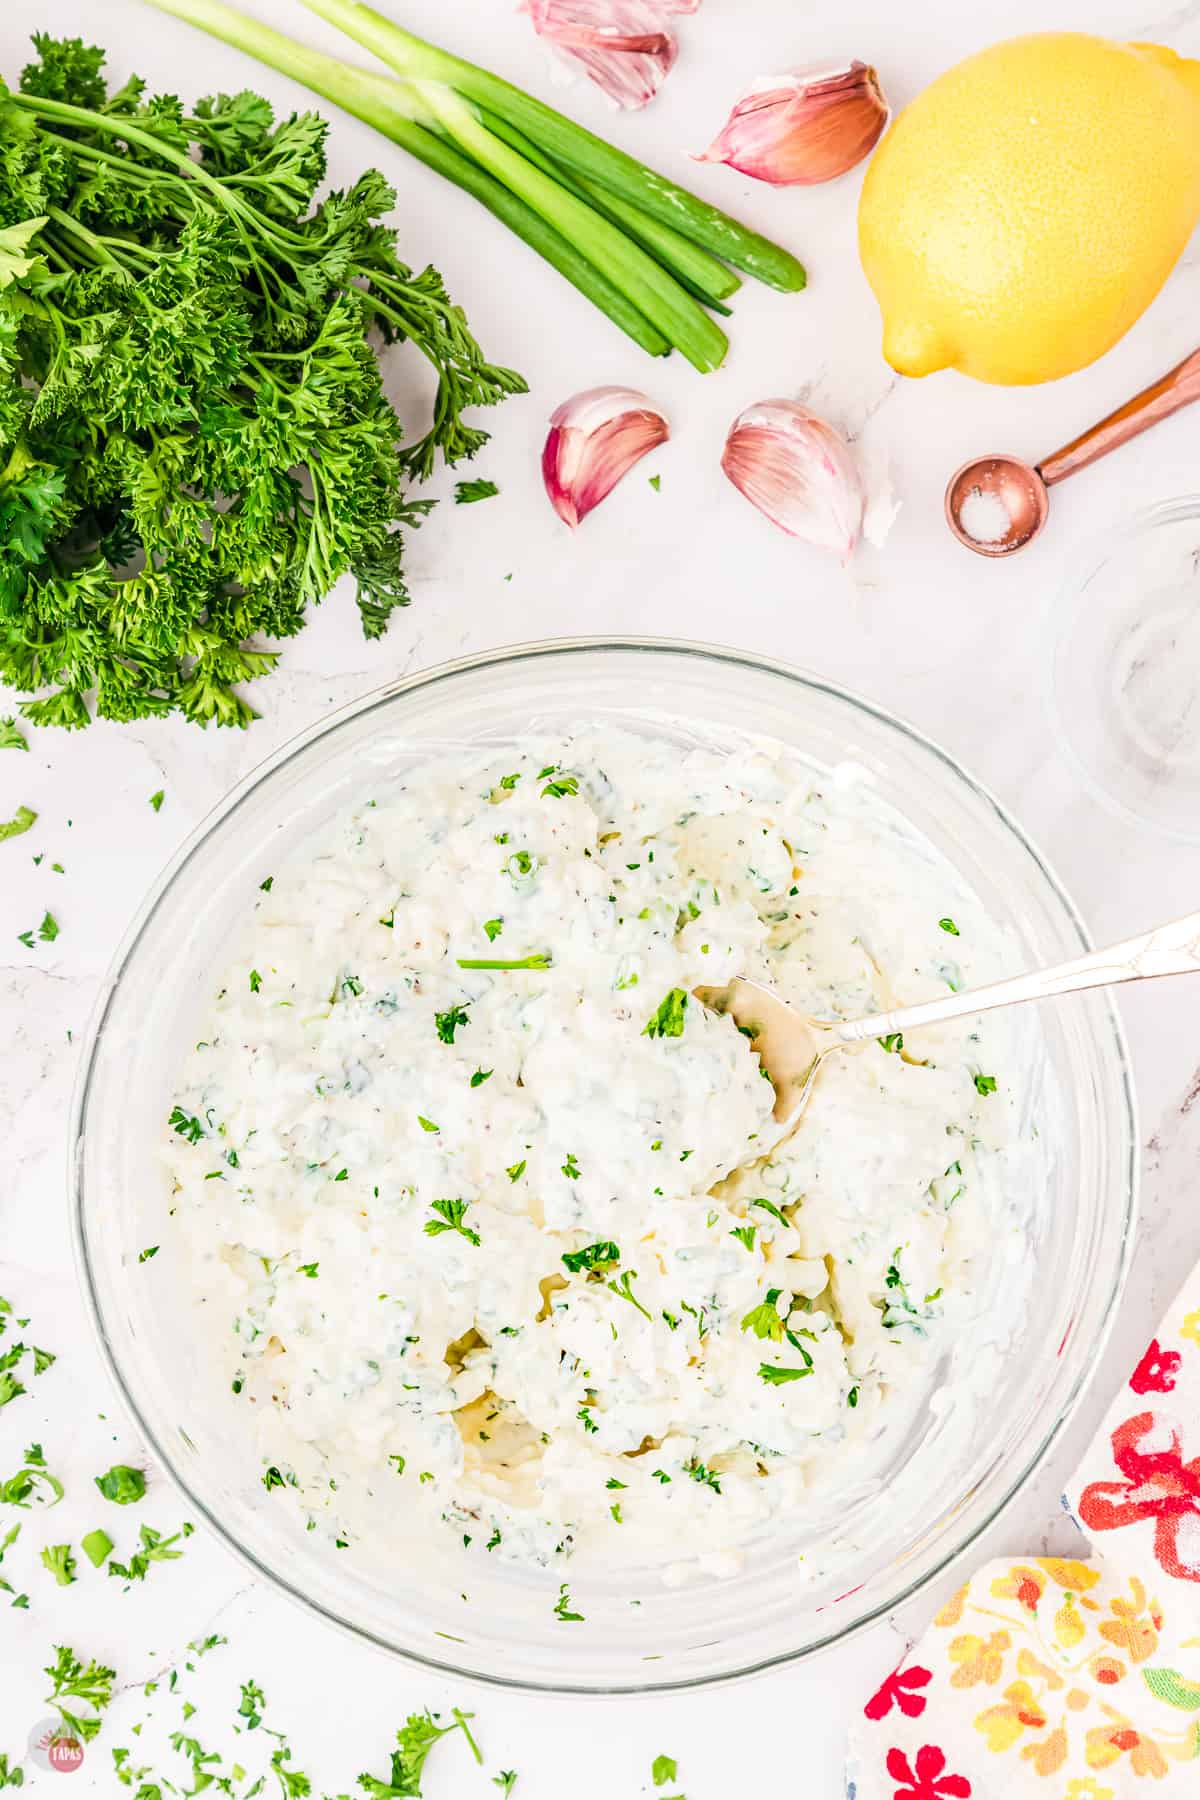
{"points": [[1000, 485], [792, 1047]]}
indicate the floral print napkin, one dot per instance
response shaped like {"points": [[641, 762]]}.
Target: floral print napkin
{"points": [[1060, 1678]]}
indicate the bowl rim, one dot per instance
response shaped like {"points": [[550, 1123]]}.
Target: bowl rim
{"points": [[1058, 622], [510, 655]]}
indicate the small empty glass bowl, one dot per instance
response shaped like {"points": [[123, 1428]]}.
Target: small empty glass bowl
{"points": [[1124, 669], [949, 1471]]}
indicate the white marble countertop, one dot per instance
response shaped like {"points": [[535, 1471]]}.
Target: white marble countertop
{"points": [[952, 642]]}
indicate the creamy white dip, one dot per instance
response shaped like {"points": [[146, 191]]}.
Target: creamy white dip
{"points": [[508, 1252]]}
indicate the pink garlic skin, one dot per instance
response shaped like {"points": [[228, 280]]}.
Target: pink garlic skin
{"points": [[805, 127], [595, 438], [798, 472], [625, 46]]}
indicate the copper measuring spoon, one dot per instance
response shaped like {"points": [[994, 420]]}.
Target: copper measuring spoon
{"points": [[1022, 490]]}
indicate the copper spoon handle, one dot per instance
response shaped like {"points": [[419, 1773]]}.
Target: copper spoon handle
{"points": [[1179, 387]]}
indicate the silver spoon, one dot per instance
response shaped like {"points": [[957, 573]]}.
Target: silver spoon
{"points": [[792, 1047]]}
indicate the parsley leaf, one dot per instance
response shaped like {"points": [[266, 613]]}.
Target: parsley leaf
{"points": [[123, 1485], [664, 1769], [452, 1214], [985, 1084], [22, 820], [415, 1740], [206, 443], [594, 1256], [777, 1377], [668, 1019], [562, 1608], [466, 492], [448, 1022]]}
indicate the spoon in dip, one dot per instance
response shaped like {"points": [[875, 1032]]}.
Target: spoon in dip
{"points": [[792, 1047], [998, 504]]}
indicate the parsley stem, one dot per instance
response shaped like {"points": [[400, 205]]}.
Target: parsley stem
{"points": [[542, 959]]}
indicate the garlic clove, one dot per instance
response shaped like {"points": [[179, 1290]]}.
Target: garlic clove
{"points": [[624, 46], [595, 438], [807, 126], [799, 473]]}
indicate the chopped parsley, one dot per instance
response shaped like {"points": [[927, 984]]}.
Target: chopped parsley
{"points": [[451, 1216], [480, 1076], [448, 1022], [562, 1608], [664, 1769], [466, 492], [10, 737], [560, 785], [571, 1168], [852, 1397], [151, 1250], [255, 981], [515, 1171], [157, 799], [985, 1084], [593, 1256], [668, 1018], [950, 926], [893, 1042], [696, 1469], [776, 1377], [414, 1741], [622, 1288], [186, 1124], [154, 1548], [312, 1270], [122, 1485], [541, 959], [427, 1124], [745, 1234], [764, 1321], [75, 1681], [506, 1781], [96, 1546], [493, 928], [22, 820], [60, 1562]]}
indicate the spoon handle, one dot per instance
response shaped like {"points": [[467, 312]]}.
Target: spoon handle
{"points": [[1168, 950], [1178, 387]]}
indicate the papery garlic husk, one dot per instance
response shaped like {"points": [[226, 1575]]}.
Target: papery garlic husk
{"points": [[799, 472], [595, 438], [804, 127], [625, 46]]}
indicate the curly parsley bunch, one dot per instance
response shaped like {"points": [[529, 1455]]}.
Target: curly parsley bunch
{"points": [[194, 439]]}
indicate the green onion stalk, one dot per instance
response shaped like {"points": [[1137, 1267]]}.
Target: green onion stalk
{"points": [[655, 258]]}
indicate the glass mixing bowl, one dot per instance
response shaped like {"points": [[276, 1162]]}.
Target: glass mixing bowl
{"points": [[937, 1495]]}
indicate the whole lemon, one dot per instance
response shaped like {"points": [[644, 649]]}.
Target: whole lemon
{"points": [[1029, 204]]}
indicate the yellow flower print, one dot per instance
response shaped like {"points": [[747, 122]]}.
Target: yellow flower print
{"points": [[1128, 1629], [1048, 1755], [978, 1659], [1191, 1327], [952, 1612], [1069, 1628], [1003, 1723], [1084, 1788], [1105, 1743], [1066, 1573], [1029, 1664], [1106, 1670], [1023, 1584]]}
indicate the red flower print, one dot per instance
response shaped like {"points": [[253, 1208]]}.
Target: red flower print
{"points": [[1156, 1372], [926, 1782], [895, 1690], [1158, 1485]]}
